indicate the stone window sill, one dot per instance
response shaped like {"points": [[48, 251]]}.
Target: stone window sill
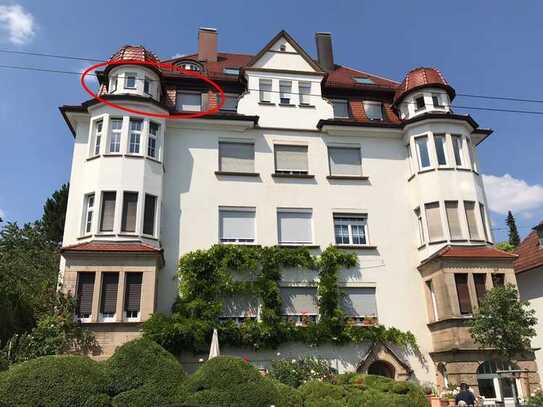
{"points": [[309, 246], [355, 247], [280, 175], [237, 174], [349, 177]]}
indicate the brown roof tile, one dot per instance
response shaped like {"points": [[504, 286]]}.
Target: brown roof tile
{"points": [[530, 253], [114, 247], [420, 77], [470, 252]]}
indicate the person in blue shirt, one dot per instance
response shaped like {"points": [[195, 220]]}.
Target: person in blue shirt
{"points": [[465, 397]]}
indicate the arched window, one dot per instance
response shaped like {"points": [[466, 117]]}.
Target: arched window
{"points": [[491, 385], [190, 65], [443, 375], [382, 368]]}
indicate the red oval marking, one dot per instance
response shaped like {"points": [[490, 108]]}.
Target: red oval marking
{"points": [[159, 65]]}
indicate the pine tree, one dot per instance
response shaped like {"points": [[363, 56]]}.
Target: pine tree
{"points": [[514, 238], [54, 214]]}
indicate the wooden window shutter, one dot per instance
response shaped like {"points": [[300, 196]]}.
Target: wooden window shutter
{"points": [[480, 287], [133, 292], [85, 290], [461, 280], [108, 211], [130, 209], [110, 282]]}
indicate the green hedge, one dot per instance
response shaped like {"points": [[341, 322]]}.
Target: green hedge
{"points": [[54, 381]]}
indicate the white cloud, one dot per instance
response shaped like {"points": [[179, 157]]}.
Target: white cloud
{"points": [[2, 214], [507, 193], [18, 23]]}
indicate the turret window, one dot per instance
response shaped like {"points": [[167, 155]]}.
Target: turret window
{"points": [[433, 218], [130, 80], [441, 150], [152, 140], [136, 126], [457, 148], [147, 85], [419, 103], [422, 152], [471, 217], [115, 136], [130, 209], [436, 100], [107, 212]]}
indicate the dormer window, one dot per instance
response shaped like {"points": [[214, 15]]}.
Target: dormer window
{"points": [[341, 108], [419, 103], [189, 101], [231, 71], [130, 81], [189, 66], [364, 81], [436, 100], [374, 110], [230, 103]]}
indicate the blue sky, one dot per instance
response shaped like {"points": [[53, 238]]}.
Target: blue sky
{"points": [[484, 48]]}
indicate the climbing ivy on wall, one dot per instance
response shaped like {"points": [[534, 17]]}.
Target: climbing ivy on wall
{"points": [[208, 276]]}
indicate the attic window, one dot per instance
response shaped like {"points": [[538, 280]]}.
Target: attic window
{"points": [[364, 81], [231, 71], [282, 48], [189, 66]]}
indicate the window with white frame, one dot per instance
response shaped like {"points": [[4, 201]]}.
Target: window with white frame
{"points": [[483, 220], [471, 217], [189, 101], [130, 210], [433, 220], [457, 149], [436, 100], [359, 304], [341, 108], [265, 89], [299, 304], [345, 161], [285, 92], [116, 126], [304, 89], [152, 140], [453, 220], [237, 225], [230, 103], [374, 110], [441, 149], [351, 229], [107, 211], [420, 226], [113, 84], [472, 155], [422, 152], [89, 214], [290, 159], [98, 131], [420, 104], [147, 85], [294, 226], [135, 127], [130, 80], [236, 157]]}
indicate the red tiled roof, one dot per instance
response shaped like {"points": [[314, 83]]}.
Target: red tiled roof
{"points": [[420, 77], [215, 70], [113, 247], [470, 252], [530, 254], [137, 52], [343, 77]]}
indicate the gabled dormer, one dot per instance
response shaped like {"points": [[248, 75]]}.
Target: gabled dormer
{"points": [[284, 86]]}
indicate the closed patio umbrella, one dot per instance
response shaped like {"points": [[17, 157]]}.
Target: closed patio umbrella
{"points": [[214, 350]]}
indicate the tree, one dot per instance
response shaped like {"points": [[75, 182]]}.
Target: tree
{"points": [[28, 277], [503, 322], [514, 238], [54, 214], [506, 247]]}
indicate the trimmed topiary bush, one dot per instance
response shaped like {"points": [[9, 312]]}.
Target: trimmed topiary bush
{"points": [[288, 396], [55, 381], [315, 393], [227, 381], [100, 400]]}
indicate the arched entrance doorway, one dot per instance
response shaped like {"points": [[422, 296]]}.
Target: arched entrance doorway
{"points": [[491, 385], [382, 368]]}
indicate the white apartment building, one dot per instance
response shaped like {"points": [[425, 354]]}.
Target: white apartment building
{"points": [[304, 152]]}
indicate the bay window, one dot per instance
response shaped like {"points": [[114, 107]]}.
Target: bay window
{"points": [[441, 149], [149, 215], [108, 297], [115, 135], [84, 294], [107, 212], [130, 208], [132, 296], [136, 126], [433, 219], [457, 148], [422, 152], [152, 140], [89, 214], [98, 129]]}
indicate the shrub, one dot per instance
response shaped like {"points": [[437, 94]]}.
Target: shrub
{"points": [[227, 381], [142, 362], [298, 371], [100, 400], [536, 399], [52, 381], [316, 392], [288, 397]]}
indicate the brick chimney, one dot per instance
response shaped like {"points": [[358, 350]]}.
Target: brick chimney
{"points": [[207, 44], [324, 51]]}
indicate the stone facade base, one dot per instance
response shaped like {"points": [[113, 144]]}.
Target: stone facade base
{"points": [[112, 335]]}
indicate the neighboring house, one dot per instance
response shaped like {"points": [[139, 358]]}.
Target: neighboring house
{"points": [[529, 271], [304, 152]]}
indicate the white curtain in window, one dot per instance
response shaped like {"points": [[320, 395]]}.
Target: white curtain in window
{"points": [[359, 301], [290, 158], [299, 300], [236, 157], [294, 227], [237, 224], [345, 161]]}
